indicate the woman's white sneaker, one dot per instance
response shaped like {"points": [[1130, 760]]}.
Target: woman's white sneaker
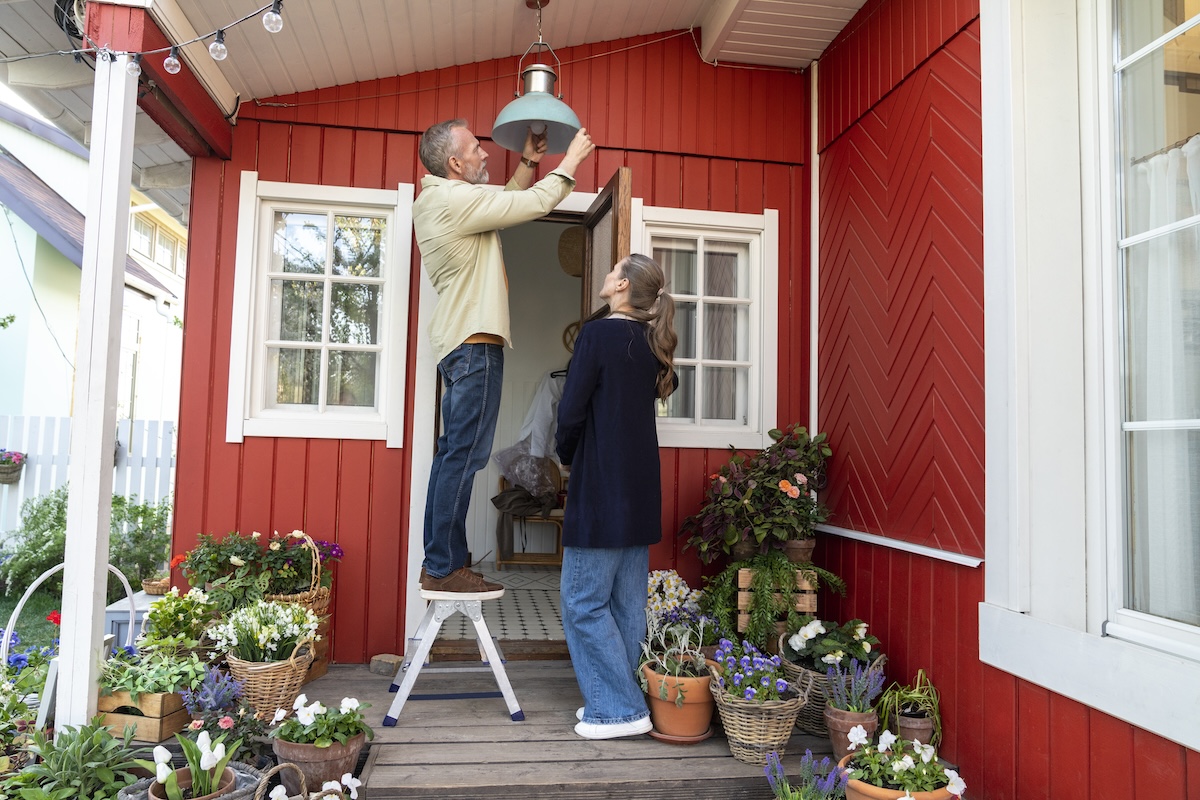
{"points": [[613, 730]]}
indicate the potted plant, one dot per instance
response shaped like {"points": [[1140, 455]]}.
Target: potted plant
{"points": [[179, 623], [11, 464], [757, 705], [764, 500], [818, 780], [228, 568], [913, 711], [140, 689], [268, 650], [324, 743], [851, 703], [206, 775], [889, 772], [674, 675], [814, 646], [86, 761], [217, 706]]}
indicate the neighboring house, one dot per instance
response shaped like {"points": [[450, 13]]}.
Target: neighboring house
{"points": [[43, 191], [952, 243]]}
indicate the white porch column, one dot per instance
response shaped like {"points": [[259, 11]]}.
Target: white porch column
{"points": [[93, 428]]}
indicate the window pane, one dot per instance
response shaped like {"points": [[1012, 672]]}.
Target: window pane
{"points": [[685, 329], [180, 259], [682, 402], [1162, 327], [1140, 22], [726, 270], [165, 255], [726, 332], [725, 393], [1164, 535], [354, 314], [1160, 109], [143, 236], [299, 244], [351, 378], [678, 260], [297, 376], [358, 246], [296, 310]]}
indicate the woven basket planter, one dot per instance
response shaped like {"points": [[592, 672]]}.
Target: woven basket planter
{"points": [[11, 473], [271, 685], [756, 729], [288, 769], [317, 598], [156, 587], [811, 718]]}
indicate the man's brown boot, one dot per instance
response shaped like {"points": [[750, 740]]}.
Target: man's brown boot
{"points": [[461, 581]]}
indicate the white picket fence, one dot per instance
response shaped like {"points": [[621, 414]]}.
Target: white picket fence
{"points": [[144, 461]]}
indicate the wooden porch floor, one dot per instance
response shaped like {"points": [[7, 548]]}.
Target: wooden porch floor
{"points": [[469, 749]]}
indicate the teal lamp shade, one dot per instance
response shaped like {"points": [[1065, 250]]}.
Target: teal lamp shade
{"points": [[537, 107]]}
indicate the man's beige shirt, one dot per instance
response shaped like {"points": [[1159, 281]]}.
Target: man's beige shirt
{"points": [[457, 225]]}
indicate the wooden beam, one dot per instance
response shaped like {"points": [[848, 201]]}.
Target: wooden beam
{"points": [[717, 24], [179, 103]]}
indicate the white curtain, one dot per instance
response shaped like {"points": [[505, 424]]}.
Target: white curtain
{"points": [[1163, 367]]}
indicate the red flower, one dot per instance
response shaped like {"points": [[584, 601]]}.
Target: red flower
{"points": [[54, 617], [177, 560]]}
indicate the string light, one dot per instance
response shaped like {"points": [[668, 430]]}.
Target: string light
{"points": [[273, 19], [171, 63], [217, 49], [134, 66]]}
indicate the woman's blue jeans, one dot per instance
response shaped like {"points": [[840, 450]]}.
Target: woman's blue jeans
{"points": [[472, 375], [603, 594]]}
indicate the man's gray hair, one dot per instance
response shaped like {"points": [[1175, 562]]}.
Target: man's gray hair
{"points": [[437, 145]]}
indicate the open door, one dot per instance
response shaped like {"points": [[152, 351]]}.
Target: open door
{"points": [[608, 226]]}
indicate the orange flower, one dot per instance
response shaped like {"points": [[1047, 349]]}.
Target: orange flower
{"points": [[785, 485], [177, 560]]}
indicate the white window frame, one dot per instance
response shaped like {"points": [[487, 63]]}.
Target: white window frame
{"points": [[760, 232], [248, 413], [1054, 470], [138, 218]]}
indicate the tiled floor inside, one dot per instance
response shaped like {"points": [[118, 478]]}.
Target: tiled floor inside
{"points": [[528, 611]]}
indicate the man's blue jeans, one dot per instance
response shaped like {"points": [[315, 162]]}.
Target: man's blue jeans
{"points": [[471, 378], [603, 593]]}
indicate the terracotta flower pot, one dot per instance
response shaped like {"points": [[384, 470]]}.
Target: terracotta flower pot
{"points": [[799, 551], [840, 723], [919, 727], [693, 719], [319, 764], [860, 790], [158, 791]]}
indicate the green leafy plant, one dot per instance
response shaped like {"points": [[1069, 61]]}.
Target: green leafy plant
{"points": [[265, 631], [5, 321], [216, 706], [911, 768], [150, 672], [321, 726], [206, 758], [138, 542], [763, 498], [87, 762], [178, 621], [673, 651], [919, 699], [819, 644]]}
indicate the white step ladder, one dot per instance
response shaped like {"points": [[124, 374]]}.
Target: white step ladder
{"points": [[443, 605]]}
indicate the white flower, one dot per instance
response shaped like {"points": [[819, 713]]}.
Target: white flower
{"points": [[956, 785], [925, 751], [162, 772], [816, 627], [348, 705], [162, 755], [255, 535], [902, 764], [307, 715], [297, 534], [886, 740], [204, 741], [331, 786], [833, 658], [278, 793], [318, 708], [275, 545], [797, 641], [208, 760], [219, 751], [860, 632], [279, 714], [352, 783], [300, 702], [237, 562], [858, 736], [866, 647]]}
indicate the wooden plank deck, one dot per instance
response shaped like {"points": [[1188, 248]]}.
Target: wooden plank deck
{"points": [[468, 749]]}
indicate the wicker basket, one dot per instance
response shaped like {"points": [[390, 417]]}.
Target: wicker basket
{"points": [[815, 685], [11, 473], [756, 729], [316, 599], [265, 784], [271, 685], [159, 587]]}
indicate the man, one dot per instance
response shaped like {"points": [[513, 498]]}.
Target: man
{"points": [[457, 223]]}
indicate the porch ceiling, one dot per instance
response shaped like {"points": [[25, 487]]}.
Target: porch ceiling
{"points": [[333, 42]]}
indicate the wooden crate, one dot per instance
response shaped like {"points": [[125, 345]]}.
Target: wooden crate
{"points": [[805, 596], [148, 729], [151, 704]]}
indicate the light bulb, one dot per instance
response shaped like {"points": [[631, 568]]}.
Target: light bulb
{"points": [[217, 49], [171, 62], [134, 66], [273, 20], [538, 128]]}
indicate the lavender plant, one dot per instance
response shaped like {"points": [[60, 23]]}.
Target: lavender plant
{"points": [[854, 689], [818, 780]]}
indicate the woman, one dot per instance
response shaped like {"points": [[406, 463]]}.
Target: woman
{"points": [[606, 432]]}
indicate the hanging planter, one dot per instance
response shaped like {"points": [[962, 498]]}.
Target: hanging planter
{"points": [[11, 464]]}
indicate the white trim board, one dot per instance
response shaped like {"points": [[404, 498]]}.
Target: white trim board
{"points": [[903, 546]]}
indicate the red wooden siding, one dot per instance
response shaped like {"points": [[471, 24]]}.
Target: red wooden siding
{"points": [[650, 104], [900, 368]]}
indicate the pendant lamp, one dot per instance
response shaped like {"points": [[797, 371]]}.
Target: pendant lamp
{"points": [[537, 109]]}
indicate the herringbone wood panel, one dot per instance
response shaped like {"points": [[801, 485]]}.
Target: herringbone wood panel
{"points": [[901, 309]]}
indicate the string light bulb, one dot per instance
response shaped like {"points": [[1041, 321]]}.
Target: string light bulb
{"points": [[217, 49], [134, 65], [171, 63], [273, 20]]}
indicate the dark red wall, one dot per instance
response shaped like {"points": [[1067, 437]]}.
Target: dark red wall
{"points": [[695, 136], [901, 393]]}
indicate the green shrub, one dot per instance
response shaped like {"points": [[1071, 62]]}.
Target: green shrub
{"points": [[138, 543], [86, 762]]}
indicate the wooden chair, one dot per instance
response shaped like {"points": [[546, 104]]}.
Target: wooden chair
{"points": [[506, 551]]}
